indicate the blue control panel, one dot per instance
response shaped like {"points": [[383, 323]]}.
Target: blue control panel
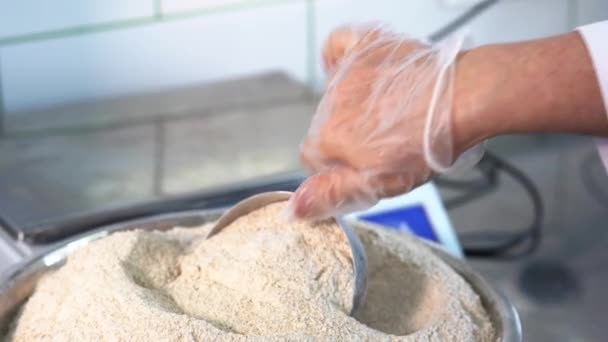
{"points": [[413, 219], [419, 212]]}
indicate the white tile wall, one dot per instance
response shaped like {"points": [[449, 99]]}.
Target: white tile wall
{"points": [[223, 45], [507, 21], [153, 57], [19, 17], [176, 6], [417, 18]]}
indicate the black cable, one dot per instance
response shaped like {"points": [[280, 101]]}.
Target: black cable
{"points": [[529, 237], [471, 195], [488, 179], [472, 189]]}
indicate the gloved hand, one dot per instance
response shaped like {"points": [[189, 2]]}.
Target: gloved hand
{"points": [[383, 125]]}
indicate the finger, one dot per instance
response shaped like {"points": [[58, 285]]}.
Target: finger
{"points": [[310, 156], [346, 39], [389, 185], [314, 159], [333, 192]]}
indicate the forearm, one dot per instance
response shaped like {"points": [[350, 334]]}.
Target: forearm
{"points": [[546, 85]]}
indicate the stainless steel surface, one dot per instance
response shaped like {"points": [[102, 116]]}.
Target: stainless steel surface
{"points": [[18, 284], [357, 252], [116, 152], [9, 253], [219, 197]]}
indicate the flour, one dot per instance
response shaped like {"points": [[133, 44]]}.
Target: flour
{"points": [[258, 278]]}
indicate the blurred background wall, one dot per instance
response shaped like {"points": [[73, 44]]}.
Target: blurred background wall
{"points": [[66, 51]]}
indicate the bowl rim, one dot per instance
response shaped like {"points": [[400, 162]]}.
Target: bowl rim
{"points": [[18, 282]]}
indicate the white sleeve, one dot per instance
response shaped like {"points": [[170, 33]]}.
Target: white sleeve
{"points": [[596, 40]]}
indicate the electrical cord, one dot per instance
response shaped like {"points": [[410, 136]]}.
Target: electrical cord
{"points": [[462, 20], [520, 244], [472, 189]]}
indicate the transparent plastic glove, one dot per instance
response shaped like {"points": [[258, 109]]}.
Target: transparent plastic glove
{"points": [[383, 125]]}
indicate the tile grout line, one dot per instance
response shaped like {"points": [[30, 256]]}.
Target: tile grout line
{"points": [[158, 17], [158, 9], [311, 31], [208, 112], [572, 14], [2, 108]]}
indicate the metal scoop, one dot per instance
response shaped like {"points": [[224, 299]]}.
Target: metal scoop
{"points": [[356, 247]]}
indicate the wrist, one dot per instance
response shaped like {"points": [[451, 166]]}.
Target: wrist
{"points": [[473, 117], [544, 85]]}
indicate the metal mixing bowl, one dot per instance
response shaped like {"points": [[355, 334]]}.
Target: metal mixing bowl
{"points": [[18, 283]]}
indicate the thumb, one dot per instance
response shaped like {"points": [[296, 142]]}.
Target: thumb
{"points": [[333, 192]]}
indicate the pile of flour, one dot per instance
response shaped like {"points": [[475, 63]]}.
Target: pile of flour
{"points": [[259, 277]]}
